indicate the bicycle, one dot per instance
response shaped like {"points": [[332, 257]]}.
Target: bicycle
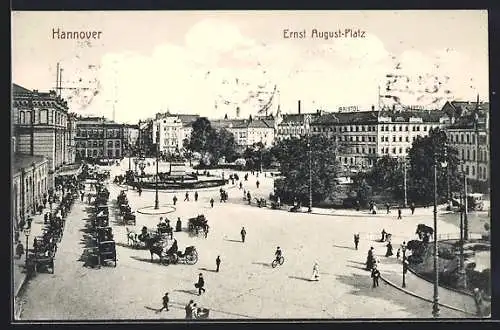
{"points": [[277, 261]]}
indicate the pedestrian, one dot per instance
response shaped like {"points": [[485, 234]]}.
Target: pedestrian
{"points": [[257, 184], [375, 276], [389, 253], [357, 205], [174, 199], [315, 272], [186, 198], [383, 235], [398, 253], [370, 261], [200, 284], [195, 196], [388, 207], [244, 195], [189, 309], [212, 202], [178, 225], [241, 185], [249, 198], [243, 234], [217, 263], [46, 218], [165, 302], [205, 230], [399, 213], [194, 311], [356, 240], [412, 208], [478, 300]]}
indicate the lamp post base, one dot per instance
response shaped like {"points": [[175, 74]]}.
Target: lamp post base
{"points": [[435, 310], [462, 279]]}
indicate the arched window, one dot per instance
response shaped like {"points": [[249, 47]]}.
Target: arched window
{"points": [[44, 114], [467, 138], [22, 117]]}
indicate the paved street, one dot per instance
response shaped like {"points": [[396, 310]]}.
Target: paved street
{"points": [[246, 286]]}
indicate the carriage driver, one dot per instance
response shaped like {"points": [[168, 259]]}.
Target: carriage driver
{"points": [[278, 253]]}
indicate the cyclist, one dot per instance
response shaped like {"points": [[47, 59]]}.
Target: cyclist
{"points": [[278, 254]]}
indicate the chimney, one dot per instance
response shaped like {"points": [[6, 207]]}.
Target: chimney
{"points": [[298, 104], [373, 108]]}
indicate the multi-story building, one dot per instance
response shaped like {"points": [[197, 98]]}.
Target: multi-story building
{"points": [[146, 141], [173, 129], [355, 133], [30, 181], [70, 155], [238, 127], [99, 139], [39, 121], [364, 136], [130, 136], [469, 134], [397, 130], [246, 132]]}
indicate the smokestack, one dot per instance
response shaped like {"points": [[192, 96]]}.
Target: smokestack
{"points": [[298, 104]]}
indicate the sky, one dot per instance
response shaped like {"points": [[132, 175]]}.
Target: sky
{"points": [[211, 62]]}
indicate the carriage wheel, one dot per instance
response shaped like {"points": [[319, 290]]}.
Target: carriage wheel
{"points": [[52, 266], [282, 260], [274, 263], [191, 259]]}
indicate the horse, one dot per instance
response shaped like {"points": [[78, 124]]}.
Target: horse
{"points": [[131, 237], [154, 247]]}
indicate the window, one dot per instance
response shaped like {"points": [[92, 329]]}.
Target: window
{"points": [[393, 128], [357, 128], [407, 139], [44, 116], [382, 128], [461, 138], [117, 144], [387, 128], [393, 139], [110, 153], [418, 128], [350, 138], [467, 169], [473, 138], [406, 128], [362, 139], [473, 170], [386, 150], [117, 153], [95, 153], [95, 144], [357, 139], [101, 143], [362, 128], [382, 150], [352, 128], [110, 144], [463, 154], [357, 150], [28, 117], [425, 128], [362, 150], [400, 128], [474, 155], [393, 150], [400, 139], [468, 154], [467, 138]]}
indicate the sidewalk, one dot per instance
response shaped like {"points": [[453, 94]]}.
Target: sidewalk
{"points": [[18, 271], [391, 271]]}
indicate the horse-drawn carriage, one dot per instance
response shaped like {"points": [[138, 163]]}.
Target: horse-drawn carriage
{"points": [[41, 258], [261, 202], [189, 257], [424, 232], [103, 234], [101, 220], [198, 224]]}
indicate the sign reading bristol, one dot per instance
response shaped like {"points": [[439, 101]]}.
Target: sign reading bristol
{"points": [[350, 108]]}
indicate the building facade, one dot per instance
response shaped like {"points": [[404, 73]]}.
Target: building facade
{"points": [[40, 123], [365, 136], [99, 139], [130, 136], [30, 181], [469, 134], [173, 129], [70, 155]]}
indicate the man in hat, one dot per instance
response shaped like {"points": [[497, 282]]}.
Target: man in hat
{"points": [[201, 283], [189, 309], [217, 263], [356, 241], [165, 302], [243, 234], [315, 272], [375, 275]]}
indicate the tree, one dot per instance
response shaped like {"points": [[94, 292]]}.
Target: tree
{"points": [[200, 136], [293, 156], [421, 171], [387, 175], [222, 144]]}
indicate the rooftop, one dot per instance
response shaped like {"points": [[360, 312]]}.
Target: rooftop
{"points": [[21, 161], [347, 117]]}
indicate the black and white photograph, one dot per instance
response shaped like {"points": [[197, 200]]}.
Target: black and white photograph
{"points": [[250, 165]]}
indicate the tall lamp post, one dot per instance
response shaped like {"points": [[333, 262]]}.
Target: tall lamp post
{"points": [[435, 304], [462, 279], [307, 122], [405, 266], [466, 206], [27, 233]]}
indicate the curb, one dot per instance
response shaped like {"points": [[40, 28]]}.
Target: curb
{"points": [[441, 286], [171, 209], [176, 191], [423, 298]]}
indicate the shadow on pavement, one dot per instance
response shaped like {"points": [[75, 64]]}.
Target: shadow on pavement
{"points": [[356, 262], [265, 264], [300, 278], [208, 270], [356, 267], [192, 292], [343, 247], [155, 261], [233, 240]]}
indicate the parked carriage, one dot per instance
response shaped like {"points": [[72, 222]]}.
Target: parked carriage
{"points": [[189, 257], [129, 218], [197, 224], [41, 260], [106, 251]]}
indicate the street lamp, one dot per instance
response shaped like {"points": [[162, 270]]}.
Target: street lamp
{"points": [[404, 161], [308, 128], [27, 232], [405, 266], [435, 305]]}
